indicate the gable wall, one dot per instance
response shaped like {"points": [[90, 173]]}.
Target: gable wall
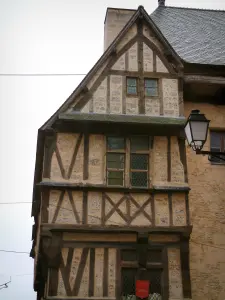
{"points": [[139, 55]]}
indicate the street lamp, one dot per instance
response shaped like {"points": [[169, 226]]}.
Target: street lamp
{"points": [[196, 130]]}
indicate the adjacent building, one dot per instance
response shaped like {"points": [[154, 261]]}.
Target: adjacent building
{"points": [[116, 195]]}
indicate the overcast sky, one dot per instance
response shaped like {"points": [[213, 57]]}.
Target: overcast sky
{"points": [[42, 36]]}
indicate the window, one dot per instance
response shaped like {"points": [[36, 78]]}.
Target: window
{"points": [[138, 154], [115, 161], [131, 86], [129, 270], [217, 144], [151, 87], [139, 157]]}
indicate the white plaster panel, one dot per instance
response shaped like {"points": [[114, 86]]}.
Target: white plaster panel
{"points": [[99, 98], [131, 106], [116, 85], [160, 67], [133, 58], [147, 58], [119, 64], [152, 106], [170, 97]]}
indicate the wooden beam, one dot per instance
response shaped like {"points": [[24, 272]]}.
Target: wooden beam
{"points": [[104, 188], [106, 229], [204, 79]]}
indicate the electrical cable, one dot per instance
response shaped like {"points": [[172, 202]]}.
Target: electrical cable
{"points": [[41, 74]]}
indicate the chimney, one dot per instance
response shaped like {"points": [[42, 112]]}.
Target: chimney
{"points": [[115, 20], [161, 2]]}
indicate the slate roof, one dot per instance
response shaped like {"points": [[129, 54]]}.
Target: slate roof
{"points": [[197, 35]]}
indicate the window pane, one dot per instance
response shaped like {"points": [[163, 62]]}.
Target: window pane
{"points": [[115, 143], [151, 83], [129, 255], [115, 178], [131, 82], [139, 143], [215, 140], [151, 92], [139, 161], [128, 281], [131, 90], [115, 160], [155, 279], [155, 255], [139, 179]]}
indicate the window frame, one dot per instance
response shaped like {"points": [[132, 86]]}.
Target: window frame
{"points": [[158, 82], [128, 152], [136, 79], [139, 152], [222, 145], [151, 265], [115, 151]]}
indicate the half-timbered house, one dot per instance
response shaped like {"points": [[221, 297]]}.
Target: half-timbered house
{"points": [[111, 191]]}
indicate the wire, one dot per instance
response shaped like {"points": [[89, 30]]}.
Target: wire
{"points": [[40, 75], [14, 202], [12, 251]]}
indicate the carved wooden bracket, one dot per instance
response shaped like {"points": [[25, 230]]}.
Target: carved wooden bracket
{"points": [[51, 249], [50, 144]]}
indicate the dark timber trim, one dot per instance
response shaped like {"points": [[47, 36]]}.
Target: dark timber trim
{"points": [[104, 188], [140, 68], [165, 274], [153, 210], [76, 149], [147, 74], [53, 282], [185, 268], [106, 229], [45, 205], [170, 209], [80, 271], [79, 105], [50, 144], [85, 208], [59, 204], [105, 272], [86, 156], [187, 209], [118, 274], [108, 95], [161, 104], [91, 272], [154, 62], [168, 158], [183, 157]]}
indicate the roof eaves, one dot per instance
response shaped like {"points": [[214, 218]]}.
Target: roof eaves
{"points": [[101, 60]]}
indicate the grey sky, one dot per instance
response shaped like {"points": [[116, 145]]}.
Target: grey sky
{"points": [[45, 36]]}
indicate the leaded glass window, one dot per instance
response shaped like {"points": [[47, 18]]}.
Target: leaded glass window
{"points": [[151, 87], [131, 86], [139, 161], [115, 161]]}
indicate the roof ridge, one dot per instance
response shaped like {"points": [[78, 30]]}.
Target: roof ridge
{"points": [[193, 8]]}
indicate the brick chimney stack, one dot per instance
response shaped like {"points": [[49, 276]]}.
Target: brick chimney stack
{"points": [[161, 2]]}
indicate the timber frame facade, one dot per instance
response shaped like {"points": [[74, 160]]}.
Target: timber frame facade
{"points": [[105, 215]]}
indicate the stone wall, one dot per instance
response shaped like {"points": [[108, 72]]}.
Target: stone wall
{"points": [[207, 212]]}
